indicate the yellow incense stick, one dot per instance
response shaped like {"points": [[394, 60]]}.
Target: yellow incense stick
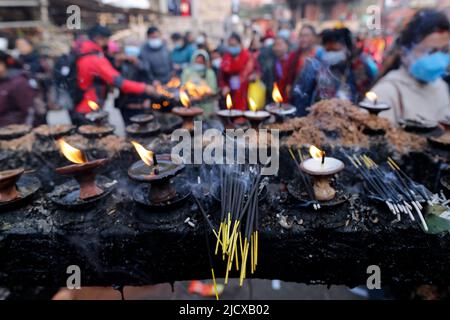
{"points": [[218, 239], [215, 284]]}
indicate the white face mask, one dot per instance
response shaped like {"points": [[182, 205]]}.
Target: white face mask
{"points": [[333, 58], [216, 63], [155, 43]]}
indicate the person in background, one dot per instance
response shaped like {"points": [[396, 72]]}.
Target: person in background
{"points": [[180, 53], [273, 64], [154, 60], [296, 61], [202, 42], [415, 89], [285, 31], [235, 71], [16, 94], [216, 61], [95, 73], [199, 72], [338, 74], [40, 76]]}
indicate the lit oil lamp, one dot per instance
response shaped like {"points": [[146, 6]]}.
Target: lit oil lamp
{"points": [[279, 108], [143, 125], [99, 127], [322, 169], [255, 116], [82, 171], [229, 114], [372, 104], [157, 171], [187, 112]]}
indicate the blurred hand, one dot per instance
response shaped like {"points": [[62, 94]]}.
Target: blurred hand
{"points": [[156, 83], [225, 91], [150, 90]]}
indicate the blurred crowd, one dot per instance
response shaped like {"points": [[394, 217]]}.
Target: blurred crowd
{"points": [[407, 70]]}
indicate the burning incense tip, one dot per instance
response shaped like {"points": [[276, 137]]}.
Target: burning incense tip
{"points": [[71, 153]]}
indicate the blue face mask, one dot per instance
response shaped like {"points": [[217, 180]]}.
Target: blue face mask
{"points": [[430, 67], [199, 67], [234, 51]]}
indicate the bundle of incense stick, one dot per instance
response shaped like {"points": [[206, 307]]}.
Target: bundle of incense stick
{"points": [[391, 185], [238, 229], [305, 179]]}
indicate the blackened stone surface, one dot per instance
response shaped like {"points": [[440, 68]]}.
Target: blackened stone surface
{"points": [[119, 243]]}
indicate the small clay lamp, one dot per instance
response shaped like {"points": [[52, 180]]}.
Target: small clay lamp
{"points": [[279, 108], [143, 125], [371, 104], [8, 188], [255, 116], [156, 170], [82, 171], [322, 169], [227, 116], [96, 116], [187, 112]]}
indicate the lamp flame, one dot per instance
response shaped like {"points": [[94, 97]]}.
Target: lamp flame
{"points": [[174, 83], [276, 94], [229, 102], [144, 154], [372, 96], [71, 153], [184, 98], [316, 153], [252, 104], [93, 105]]}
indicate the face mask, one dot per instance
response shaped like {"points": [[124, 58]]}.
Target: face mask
{"points": [[430, 67], [178, 46], [155, 43], [199, 67], [333, 58], [269, 42], [284, 33], [234, 51], [216, 63]]}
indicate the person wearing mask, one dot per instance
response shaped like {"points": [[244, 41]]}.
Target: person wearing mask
{"points": [[199, 72], [202, 42], [16, 94], [95, 73], [415, 89], [180, 54], [273, 64], [236, 71], [285, 31], [155, 60], [340, 73], [307, 48], [216, 61]]}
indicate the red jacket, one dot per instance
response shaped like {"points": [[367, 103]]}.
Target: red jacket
{"points": [[239, 67], [95, 72]]}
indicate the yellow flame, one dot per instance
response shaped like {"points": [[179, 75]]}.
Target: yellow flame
{"points": [[315, 152], [276, 94], [252, 104], [184, 98], [71, 153], [371, 96], [146, 155], [229, 102], [174, 83], [93, 105]]}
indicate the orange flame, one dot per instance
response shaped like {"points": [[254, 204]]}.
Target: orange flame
{"points": [[197, 90], [229, 102], [146, 155], [184, 98], [316, 153], [93, 105], [276, 94], [71, 153], [252, 104], [173, 83], [371, 96]]}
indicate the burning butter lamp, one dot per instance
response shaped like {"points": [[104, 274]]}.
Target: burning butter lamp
{"points": [[372, 104], [255, 116], [156, 170], [279, 108], [187, 112], [83, 171], [322, 169], [96, 116], [229, 114], [99, 127]]}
